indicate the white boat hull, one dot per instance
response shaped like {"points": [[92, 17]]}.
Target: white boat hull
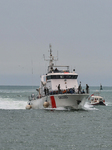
{"points": [[73, 101], [97, 103]]}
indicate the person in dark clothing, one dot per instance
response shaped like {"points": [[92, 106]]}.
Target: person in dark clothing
{"points": [[59, 88], [45, 90], [79, 88], [87, 88], [83, 91]]}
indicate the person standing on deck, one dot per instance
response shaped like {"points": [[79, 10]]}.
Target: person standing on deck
{"points": [[59, 88], [79, 88], [87, 88]]}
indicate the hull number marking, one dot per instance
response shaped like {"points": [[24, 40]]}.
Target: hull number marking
{"points": [[63, 97]]}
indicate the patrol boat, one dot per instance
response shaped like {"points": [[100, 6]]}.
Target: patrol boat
{"points": [[96, 99], [58, 88]]}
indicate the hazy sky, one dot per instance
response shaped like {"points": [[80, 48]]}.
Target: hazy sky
{"points": [[80, 30]]}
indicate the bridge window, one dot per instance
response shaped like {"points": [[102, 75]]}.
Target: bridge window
{"points": [[48, 77], [62, 77]]}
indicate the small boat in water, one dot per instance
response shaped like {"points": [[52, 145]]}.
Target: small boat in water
{"points": [[96, 100], [58, 88]]}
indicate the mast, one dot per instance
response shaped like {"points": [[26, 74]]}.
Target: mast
{"points": [[51, 59]]}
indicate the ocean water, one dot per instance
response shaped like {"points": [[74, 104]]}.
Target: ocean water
{"points": [[88, 129]]}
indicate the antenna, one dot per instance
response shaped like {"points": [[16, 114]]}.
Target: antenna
{"points": [[51, 59], [50, 49]]}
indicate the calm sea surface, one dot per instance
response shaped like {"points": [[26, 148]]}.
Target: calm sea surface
{"points": [[21, 129]]}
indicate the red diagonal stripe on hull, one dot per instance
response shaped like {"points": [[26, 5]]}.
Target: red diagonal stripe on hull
{"points": [[53, 103]]}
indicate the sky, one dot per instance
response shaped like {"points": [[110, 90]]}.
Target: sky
{"points": [[80, 31]]}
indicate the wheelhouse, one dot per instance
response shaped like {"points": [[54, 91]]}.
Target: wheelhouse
{"points": [[66, 80]]}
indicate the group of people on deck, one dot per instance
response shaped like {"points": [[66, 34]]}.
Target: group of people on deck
{"points": [[82, 91], [70, 90]]}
